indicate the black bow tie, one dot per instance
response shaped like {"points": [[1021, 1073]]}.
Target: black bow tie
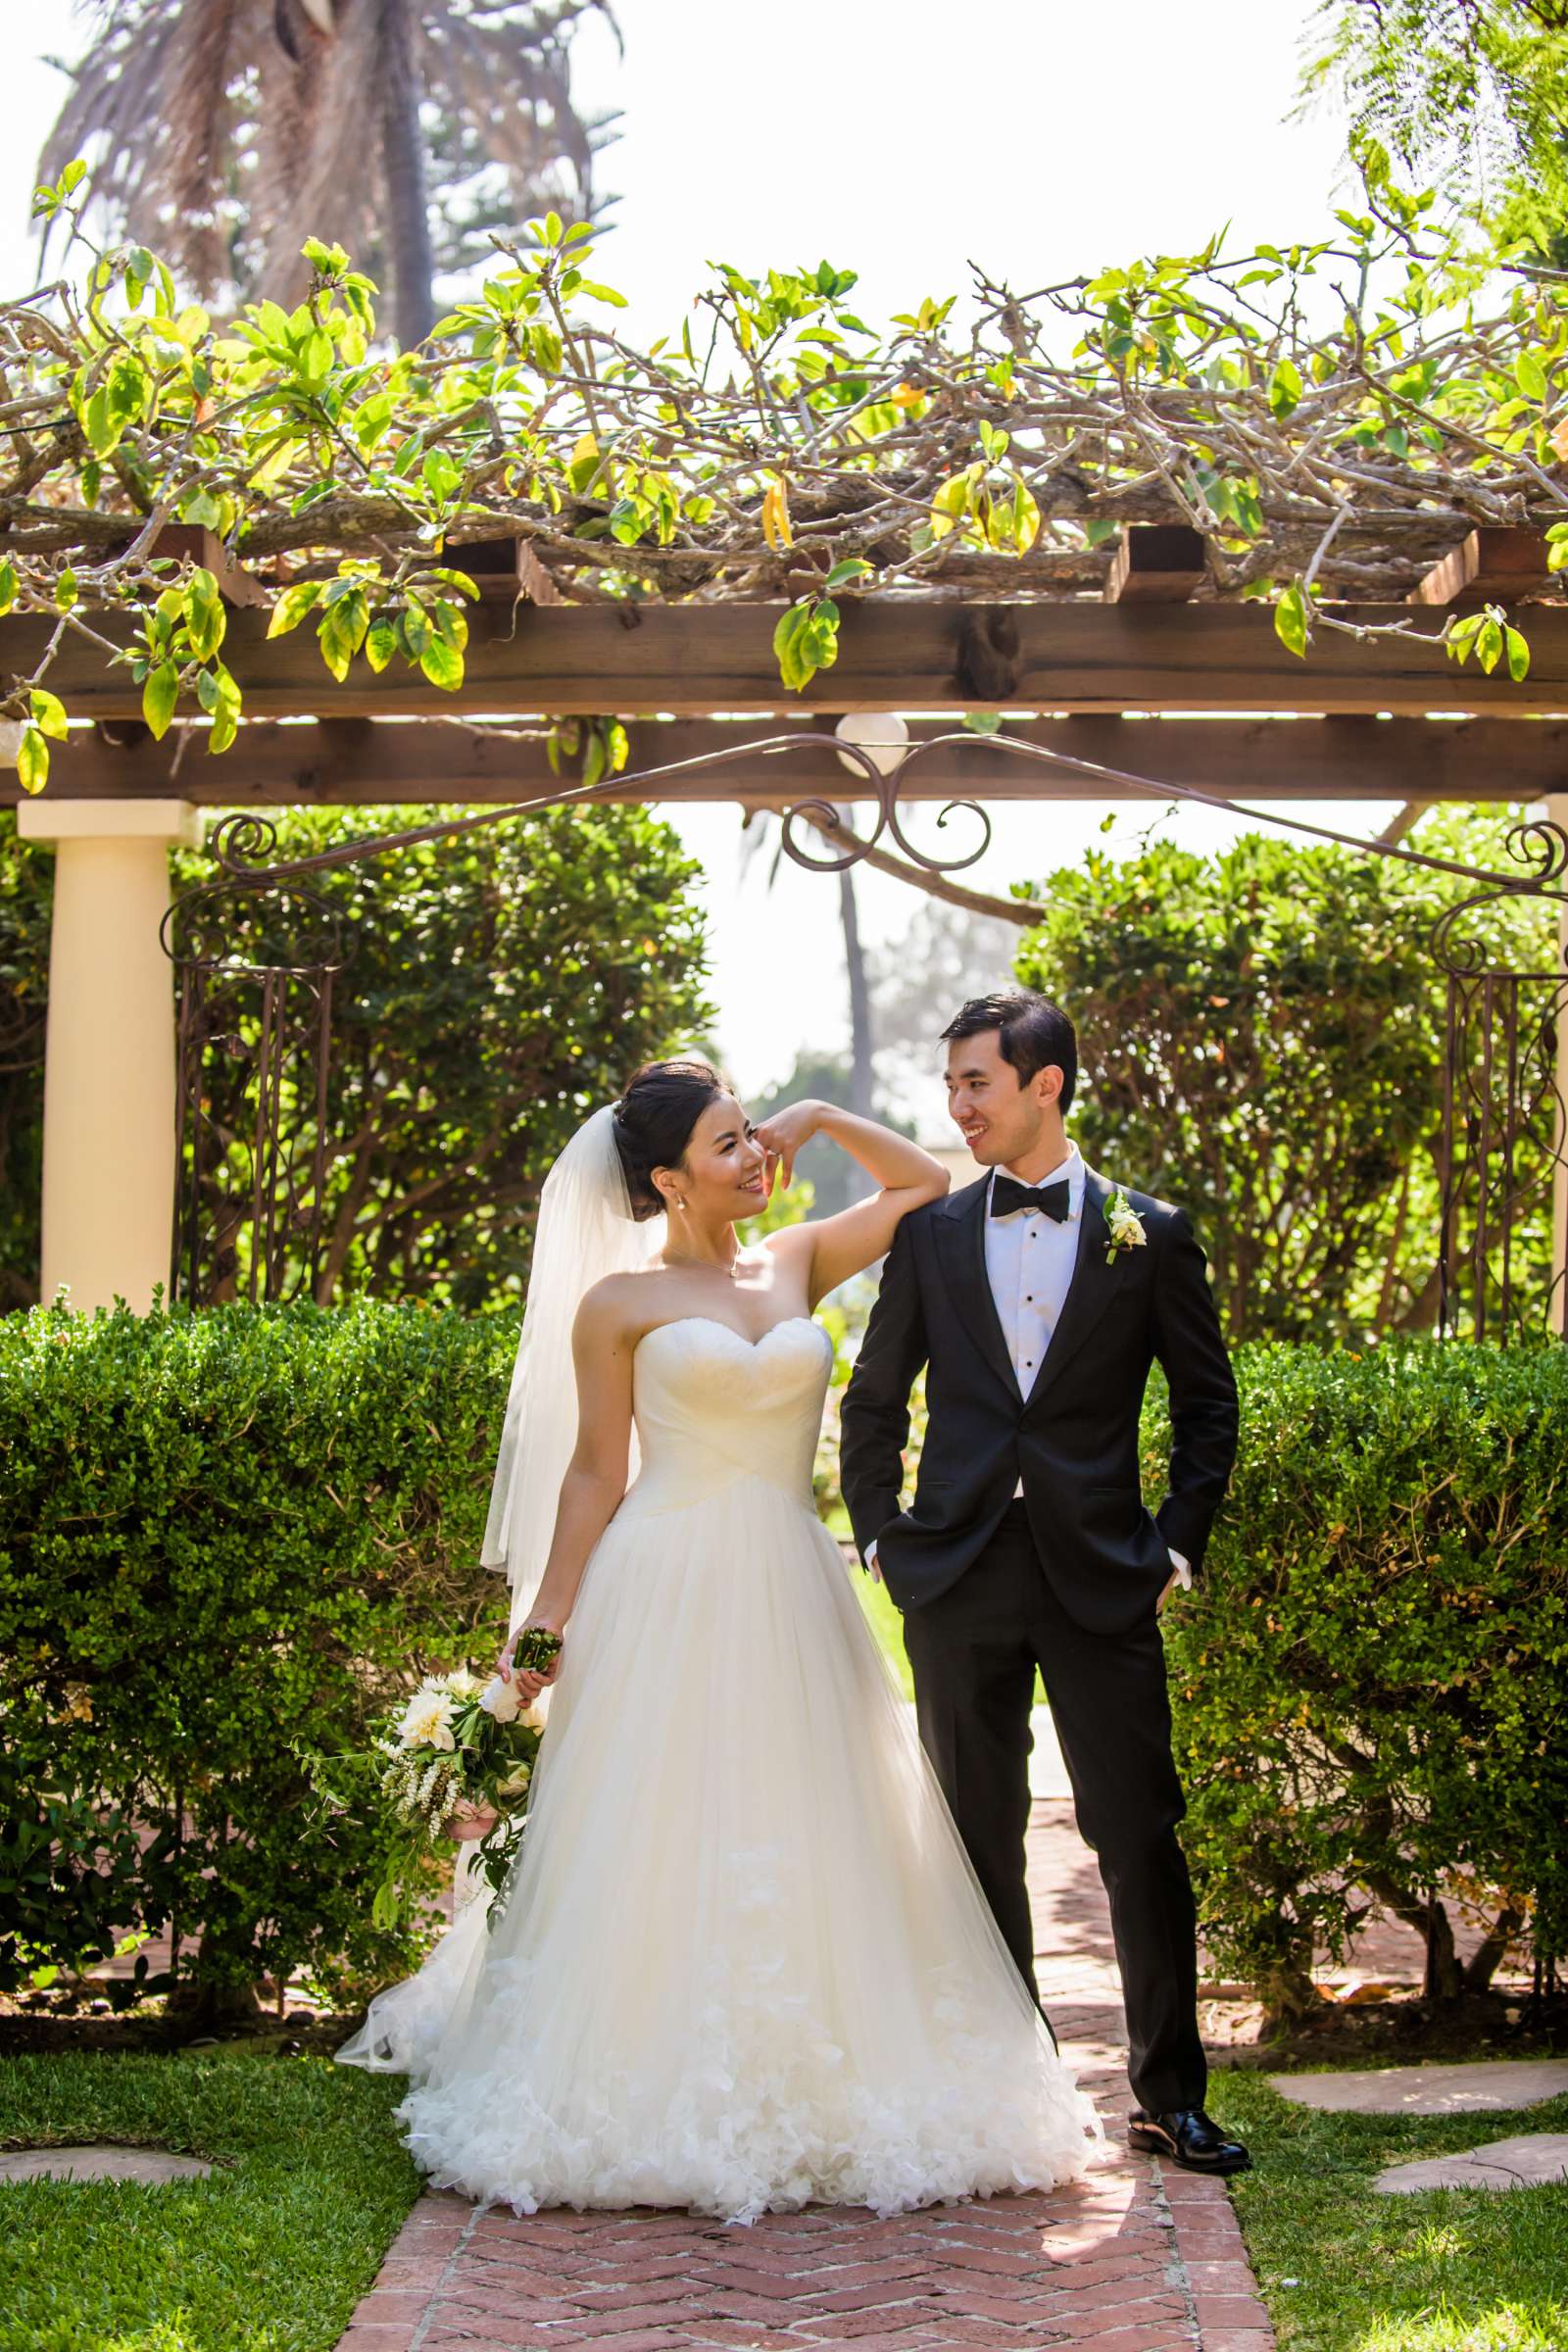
{"points": [[1048, 1199]]}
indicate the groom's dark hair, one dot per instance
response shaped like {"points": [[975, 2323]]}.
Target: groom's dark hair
{"points": [[1032, 1030]]}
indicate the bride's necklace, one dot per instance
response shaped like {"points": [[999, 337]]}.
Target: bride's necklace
{"points": [[712, 1265]]}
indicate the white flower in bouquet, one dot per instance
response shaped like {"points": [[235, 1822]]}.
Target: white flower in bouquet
{"points": [[503, 1700], [428, 1718], [516, 1783]]}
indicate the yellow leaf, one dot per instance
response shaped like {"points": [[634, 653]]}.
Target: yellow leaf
{"points": [[776, 515]]}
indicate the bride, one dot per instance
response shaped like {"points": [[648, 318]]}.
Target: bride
{"points": [[743, 1962]]}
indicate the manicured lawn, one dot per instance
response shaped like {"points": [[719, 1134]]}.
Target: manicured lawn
{"points": [[1446, 2271], [268, 2255]]}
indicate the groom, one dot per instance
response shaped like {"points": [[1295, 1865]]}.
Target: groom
{"points": [[1036, 1299]]}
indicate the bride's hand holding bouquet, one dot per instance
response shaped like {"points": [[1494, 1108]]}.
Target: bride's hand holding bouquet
{"points": [[526, 1667], [531, 1659]]}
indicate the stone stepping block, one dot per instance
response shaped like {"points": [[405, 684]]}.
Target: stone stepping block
{"points": [[100, 2163], [1489, 2085], [1523, 2163]]}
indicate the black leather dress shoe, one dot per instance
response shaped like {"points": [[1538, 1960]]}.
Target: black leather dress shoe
{"points": [[1187, 2137]]}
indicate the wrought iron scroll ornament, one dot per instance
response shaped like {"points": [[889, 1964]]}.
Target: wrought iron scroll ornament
{"points": [[883, 788], [1477, 1135]]}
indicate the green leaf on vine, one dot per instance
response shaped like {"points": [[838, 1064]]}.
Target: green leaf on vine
{"points": [[1292, 621], [48, 713], [32, 760], [442, 664], [205, 621], [293, 604], [158, 698]]}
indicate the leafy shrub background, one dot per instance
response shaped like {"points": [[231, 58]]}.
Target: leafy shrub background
{"points": [[220, 1534], [1369, 1683]]}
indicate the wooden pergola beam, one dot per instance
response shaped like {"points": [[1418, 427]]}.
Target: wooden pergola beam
{"points": [[361, 762], [912, 655], [1155, 563], [1494, 564], [194, 543]]}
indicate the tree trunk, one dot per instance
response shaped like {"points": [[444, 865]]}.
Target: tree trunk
{"points": [[1484, 1962], [862, 1074], [1444, 1979], [408, 219]]}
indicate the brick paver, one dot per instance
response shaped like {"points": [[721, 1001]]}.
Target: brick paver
{"points": [[1135, 2257]]}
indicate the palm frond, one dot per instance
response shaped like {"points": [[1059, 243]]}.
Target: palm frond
{"points": [[227, 131]]}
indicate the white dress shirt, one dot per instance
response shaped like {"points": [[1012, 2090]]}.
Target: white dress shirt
{"points": [[1029, 1264]]}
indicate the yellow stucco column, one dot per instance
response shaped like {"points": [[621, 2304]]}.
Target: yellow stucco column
{"points": [[109, 1049]]}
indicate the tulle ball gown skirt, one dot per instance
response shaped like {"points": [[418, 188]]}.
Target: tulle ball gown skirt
{"points": [[743, 1963]]}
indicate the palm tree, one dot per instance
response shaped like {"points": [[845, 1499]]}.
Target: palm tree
{"points": [[224, 132]]}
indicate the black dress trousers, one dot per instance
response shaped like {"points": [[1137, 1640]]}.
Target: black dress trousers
{"points": [[974, 1650]]}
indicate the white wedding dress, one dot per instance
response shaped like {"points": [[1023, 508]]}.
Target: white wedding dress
{"points": [[743, 1963]]}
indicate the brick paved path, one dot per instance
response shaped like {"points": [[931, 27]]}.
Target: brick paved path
{"points": [[1136, 2256]]}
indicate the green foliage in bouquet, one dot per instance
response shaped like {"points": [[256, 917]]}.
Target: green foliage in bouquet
{"points": [[1368, 1681], [226, 1536]]}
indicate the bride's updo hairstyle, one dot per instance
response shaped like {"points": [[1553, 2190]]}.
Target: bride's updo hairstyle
{"points": [[654, 1121]]}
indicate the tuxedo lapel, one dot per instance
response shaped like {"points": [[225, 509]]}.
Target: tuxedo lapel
{"points": [[961, 1254], [1095, 1280]]}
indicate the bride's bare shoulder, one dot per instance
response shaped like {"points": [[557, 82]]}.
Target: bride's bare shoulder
{"points": [[619, 1305]]}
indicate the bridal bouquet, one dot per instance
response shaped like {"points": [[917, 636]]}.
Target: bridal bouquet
{"points": [[462, 1748], [457, 1749]]}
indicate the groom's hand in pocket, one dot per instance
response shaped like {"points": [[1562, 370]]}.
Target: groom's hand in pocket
{"points": [[1181, 1573]]}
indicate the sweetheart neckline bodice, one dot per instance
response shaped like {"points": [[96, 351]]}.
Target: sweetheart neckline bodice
{"points": [[709, 1415], [712, 1322]]}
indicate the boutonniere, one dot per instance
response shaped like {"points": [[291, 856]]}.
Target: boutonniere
{"points": [[1126, 1225]]}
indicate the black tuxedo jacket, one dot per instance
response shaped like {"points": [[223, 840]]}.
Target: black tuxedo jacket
{"points": [[1073, 1440]]}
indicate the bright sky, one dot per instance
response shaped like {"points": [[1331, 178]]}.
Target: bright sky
{"points": [[1037, 138]]}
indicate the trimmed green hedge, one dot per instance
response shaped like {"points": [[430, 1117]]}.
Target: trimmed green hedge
{"points": [[222, 1534], [1369, 1683], [228, 1532]]}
